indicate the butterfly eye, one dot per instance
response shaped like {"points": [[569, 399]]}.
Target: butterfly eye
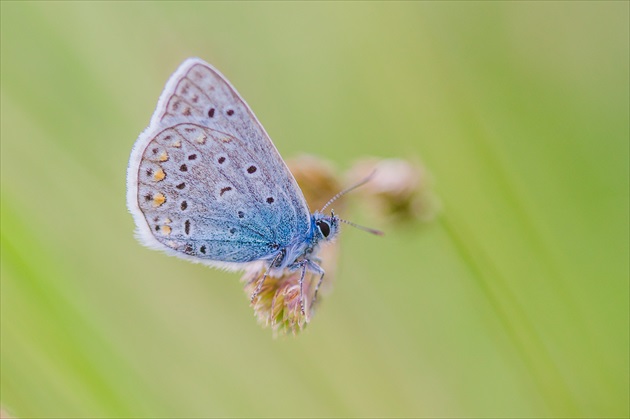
{"points": [[324, 228]]}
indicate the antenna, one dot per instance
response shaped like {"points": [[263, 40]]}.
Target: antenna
{"points": [[351, 188], [360, 227]]}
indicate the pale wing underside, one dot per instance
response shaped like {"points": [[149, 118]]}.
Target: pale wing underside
{"points": [[205, 182]]}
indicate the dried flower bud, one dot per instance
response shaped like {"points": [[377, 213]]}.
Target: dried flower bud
{"points": [[277, 304], [400, 190], [318, 181]]}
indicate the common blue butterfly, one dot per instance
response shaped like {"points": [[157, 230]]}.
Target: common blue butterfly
{"points": [[205, 183]]}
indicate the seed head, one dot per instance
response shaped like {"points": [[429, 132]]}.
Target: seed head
{"points": [[400, 190]]}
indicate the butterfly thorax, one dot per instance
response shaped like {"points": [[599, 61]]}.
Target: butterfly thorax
{"points": [[323, 228]]}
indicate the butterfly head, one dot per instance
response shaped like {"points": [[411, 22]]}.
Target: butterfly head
{"points": [[326, 227]]}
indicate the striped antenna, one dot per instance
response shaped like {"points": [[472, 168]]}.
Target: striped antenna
{"points": [[345, 191], [360, 227]]}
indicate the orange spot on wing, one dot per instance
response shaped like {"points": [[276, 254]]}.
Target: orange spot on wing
{"points": [[159, 175], [158, 199], [163, 156]]}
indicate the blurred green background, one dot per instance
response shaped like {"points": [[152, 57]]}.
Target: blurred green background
{"points": [[514, 302]]}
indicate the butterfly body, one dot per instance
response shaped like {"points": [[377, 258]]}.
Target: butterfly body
{"points": [[205, 182]]}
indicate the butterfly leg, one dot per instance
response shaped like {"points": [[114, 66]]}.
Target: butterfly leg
{"points": [[317, 269], [262, 281], [311, 266], [301, 287], [321, 279], [302, 264], [258, 287]]}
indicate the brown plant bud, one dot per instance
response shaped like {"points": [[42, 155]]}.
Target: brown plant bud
{"points": [[399, 190]]}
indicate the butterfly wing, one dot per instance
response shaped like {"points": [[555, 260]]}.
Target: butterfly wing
{"points": [[205, 182]]}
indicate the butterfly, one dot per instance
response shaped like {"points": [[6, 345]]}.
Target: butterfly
{"points": [[206, 183]]}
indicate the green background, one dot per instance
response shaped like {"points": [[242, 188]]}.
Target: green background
{"points": [[514, 302]]}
